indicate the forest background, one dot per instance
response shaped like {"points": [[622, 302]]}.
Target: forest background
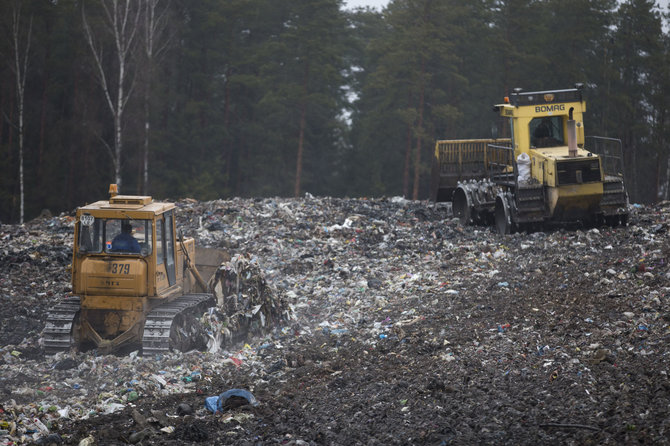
{"points": [[255, 98]]}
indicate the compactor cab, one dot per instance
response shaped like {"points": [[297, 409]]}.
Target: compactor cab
{"points": [[543, 173], [133, 279]]}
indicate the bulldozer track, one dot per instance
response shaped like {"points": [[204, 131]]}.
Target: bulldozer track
{"points": [[57, 333], [158, 325]]}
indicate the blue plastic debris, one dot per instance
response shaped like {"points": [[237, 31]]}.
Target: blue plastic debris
{"points": [[211, 402], [215, 403], [334, 331]]}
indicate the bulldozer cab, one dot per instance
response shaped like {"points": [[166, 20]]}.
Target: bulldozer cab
{"points": [[539, 119], [133, 280], [127, 237]]}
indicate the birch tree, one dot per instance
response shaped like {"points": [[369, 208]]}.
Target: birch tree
{"points": [[121, 20], [155, 21], [20, 67]]}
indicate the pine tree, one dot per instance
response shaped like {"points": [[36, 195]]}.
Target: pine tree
{"points": [[637, 54], [303, 81]]}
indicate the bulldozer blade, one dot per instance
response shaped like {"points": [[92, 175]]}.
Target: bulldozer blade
{"points": [[208, 260]]}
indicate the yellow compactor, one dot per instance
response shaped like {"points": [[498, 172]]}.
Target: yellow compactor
{"points": [[134, 281], [544, 173]]}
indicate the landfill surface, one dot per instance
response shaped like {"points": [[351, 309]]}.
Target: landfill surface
{"points": [[407, 328]]}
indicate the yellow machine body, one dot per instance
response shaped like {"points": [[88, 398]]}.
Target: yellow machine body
{"points": [[565, 181], [117, 289], [574, 181]]}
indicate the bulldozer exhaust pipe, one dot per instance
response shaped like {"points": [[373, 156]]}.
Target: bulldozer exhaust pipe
{"points": [[572, 136]]}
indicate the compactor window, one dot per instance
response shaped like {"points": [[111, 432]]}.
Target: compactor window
{"points": [[115, 236], [546, 132]]}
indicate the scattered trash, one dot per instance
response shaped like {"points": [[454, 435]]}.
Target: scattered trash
{"points": [[334, 331], [137, 437], [374, 283], [88, 441], [366, 291], [51, 439], [248, 305], [66, 364], [184, 409], [230, 398]]}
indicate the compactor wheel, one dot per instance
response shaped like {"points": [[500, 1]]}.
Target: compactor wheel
{"points": [[461, 206], [503, 216]]}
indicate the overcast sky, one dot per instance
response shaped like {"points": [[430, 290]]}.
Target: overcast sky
{"points": [[380, 3]]}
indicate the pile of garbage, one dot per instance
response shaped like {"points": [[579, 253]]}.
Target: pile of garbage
{"points": [[245, 304], [416, 329]]}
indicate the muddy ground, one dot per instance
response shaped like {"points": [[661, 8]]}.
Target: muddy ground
{"points": [[408, 329]]}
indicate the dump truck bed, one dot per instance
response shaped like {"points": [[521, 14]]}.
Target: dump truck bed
{"points": [[464, 159]]}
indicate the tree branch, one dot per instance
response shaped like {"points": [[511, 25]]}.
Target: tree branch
{"points": [[108, 147], [97, 56]]}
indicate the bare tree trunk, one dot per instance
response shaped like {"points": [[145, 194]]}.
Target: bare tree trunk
{"points": [[10, 137], [149, 9], [408, 159], [70, 188], [155, 26], [657, 183], [634, 163], [662, 182], [301, 136], [2, 107], [20, 68], [408, 154], [419, 132], [43, 124], [147, 132], [228, 149], [122, 21], [42, 191]]}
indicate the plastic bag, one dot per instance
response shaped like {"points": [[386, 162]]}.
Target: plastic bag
{"points": [[523, 166]]}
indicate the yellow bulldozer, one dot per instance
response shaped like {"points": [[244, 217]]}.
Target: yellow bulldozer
{"points": [[134, 280], [544, 173]]}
